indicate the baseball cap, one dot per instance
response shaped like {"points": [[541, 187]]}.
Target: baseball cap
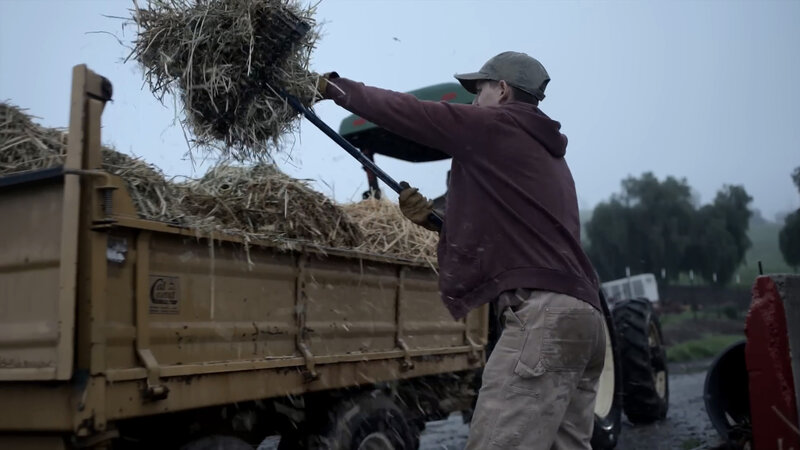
{"points": [[517, 69]]}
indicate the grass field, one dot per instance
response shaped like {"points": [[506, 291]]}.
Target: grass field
{"points": [[705, 347], [719, 313], [765, 249], [696, 335]]}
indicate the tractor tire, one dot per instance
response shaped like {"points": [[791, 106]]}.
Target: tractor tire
{"points": [[371, 421], [608, 402], [644, 361]]}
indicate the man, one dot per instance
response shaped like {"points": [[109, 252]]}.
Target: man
{"points": [[511, 235]]}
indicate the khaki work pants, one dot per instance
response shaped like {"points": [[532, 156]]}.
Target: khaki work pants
{"points": [[540, 382]]}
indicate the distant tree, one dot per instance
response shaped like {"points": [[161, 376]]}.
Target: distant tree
{"points": [[781, 216], [652, 225], [789, 240], [719, 238], [789, 237], [732, 203], [646, 227], [714, 250], [607, 232]]}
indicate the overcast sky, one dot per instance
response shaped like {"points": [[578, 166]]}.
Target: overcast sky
{"points": [[706, 90]]}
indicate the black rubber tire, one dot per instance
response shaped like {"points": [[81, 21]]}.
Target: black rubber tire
{"points": [[727, 395], [607, 428], [640, 361], [354, 419], [217, 442]]}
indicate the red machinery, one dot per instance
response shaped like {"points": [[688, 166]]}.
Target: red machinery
{"points": [[751, 388]]}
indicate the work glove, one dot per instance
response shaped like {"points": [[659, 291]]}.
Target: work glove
{"points": [[322, 84], [416, 207]]}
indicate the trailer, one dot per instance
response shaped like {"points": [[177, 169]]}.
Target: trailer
{"points": [[124, 331]]}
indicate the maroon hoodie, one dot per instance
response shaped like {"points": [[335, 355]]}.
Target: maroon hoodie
{"points": [[512, 212]]}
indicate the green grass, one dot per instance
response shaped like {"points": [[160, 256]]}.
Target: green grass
{"points": [[691, 443], [705, 347], [669, 320], [765, 249]]}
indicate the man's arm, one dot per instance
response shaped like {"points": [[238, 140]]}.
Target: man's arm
{"points": [[455, 129]]}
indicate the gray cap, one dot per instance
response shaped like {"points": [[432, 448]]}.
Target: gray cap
{"points": [[517, 69]]}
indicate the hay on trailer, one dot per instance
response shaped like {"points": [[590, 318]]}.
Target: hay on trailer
{"points": [[225, 60], [387, 232], [256, 203], [25, 145], [261, 202], [155, 196]]}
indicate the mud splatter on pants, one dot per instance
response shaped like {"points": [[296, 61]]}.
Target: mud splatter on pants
{"points": [[540, 382]]}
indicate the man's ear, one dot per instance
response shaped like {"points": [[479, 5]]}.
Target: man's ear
{"points": [[505, 91]]}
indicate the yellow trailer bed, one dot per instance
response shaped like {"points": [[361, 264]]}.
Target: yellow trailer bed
{"points": [[106, 317]]}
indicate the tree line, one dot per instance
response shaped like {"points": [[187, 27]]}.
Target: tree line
{"points": [[789, 237], [654, 226]]}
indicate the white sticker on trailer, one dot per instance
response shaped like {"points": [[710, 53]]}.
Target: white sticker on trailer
{"points": [[116, 249]]}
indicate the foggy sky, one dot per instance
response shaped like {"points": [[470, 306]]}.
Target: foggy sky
{"points": [[703, 90]]}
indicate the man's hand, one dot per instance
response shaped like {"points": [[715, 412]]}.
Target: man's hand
{"points": [[322, 84], [416, 207]]}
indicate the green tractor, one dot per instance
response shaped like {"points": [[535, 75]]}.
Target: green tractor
{"points": [[635, 375]]}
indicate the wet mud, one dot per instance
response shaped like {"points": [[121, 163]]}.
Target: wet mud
{"points": [[686, 427]]}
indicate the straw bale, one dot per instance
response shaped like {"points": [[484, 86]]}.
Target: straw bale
{"points": [[387, 232], [25, 145], [225, 59], [153, 194], [257, 202], [261, 202]]}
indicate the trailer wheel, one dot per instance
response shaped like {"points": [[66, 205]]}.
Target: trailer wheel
{"points": [[608, 402], [367, 422], [644, 361]]}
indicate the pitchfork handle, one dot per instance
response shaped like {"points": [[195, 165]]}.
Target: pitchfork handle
{"points": [[434, 218]]}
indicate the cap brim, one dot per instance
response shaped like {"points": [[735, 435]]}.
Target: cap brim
{"points": [[470, 80]]}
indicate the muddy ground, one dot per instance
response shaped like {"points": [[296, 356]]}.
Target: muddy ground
{"points": [[687, 425]]}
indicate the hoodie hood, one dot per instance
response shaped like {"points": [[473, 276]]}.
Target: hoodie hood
{"points": [[542, 128]]}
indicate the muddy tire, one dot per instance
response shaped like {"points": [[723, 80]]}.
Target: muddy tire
{"points": [[644, 361], [370, 421], [608, 402]]}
